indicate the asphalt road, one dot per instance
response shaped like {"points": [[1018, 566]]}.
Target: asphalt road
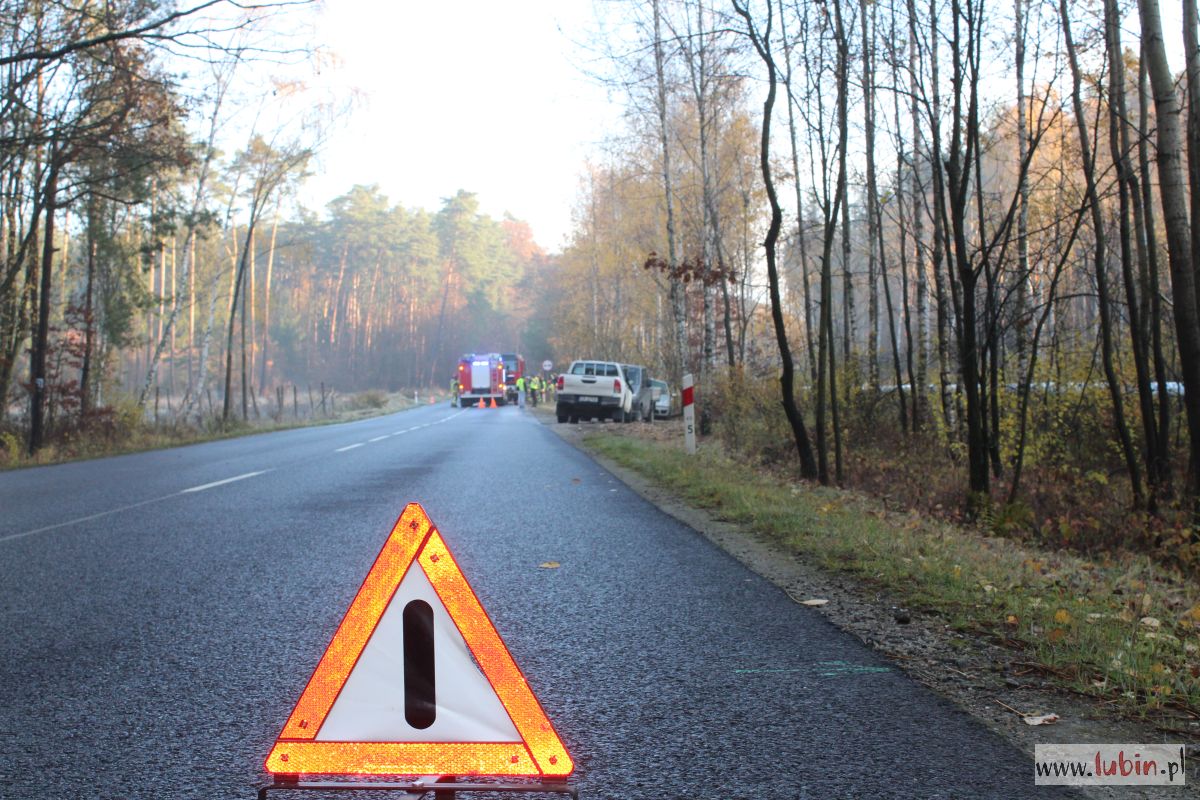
{"points": [[160, 614]]}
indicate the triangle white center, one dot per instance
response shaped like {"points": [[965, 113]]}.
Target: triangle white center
{"points": [[370, 707]]}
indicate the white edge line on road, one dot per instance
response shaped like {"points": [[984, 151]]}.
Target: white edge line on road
{"points": [[202, 487], [379, 438], [23, 534], [129, 507], [349, 447]]}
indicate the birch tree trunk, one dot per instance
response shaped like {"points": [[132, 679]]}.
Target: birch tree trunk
{"points": [[678, 304]]}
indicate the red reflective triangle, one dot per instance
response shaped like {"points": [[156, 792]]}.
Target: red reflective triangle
{"points": [[300, 748]]}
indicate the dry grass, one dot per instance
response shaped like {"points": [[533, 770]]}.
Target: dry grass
{"points": [[1123, 629], [121, 429]]}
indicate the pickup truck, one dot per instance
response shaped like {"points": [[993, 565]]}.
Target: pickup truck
{"points": [[594, 390]]}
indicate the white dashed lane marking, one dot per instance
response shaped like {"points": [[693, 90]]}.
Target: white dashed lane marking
{"points": [[202, 487]]}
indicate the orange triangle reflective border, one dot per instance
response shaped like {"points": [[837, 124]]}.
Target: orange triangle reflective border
{"points": [[540, 753]]}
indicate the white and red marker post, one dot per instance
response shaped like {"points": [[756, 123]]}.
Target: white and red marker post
{"points": [[689, 415]]}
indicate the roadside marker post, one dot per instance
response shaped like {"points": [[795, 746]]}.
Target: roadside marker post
{"points": [[689, 414], [417, 687]]}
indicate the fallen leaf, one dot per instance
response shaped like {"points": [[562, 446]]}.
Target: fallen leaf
{"points": [[1151, 622], [1062, 616], [1011, 620], [816, 601], [576, 480], [1040, 719], [1147, 602], [1056, 635], [550, 565]]}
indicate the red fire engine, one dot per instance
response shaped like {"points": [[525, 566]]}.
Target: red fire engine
{"points": [[479, 376], [514, 367]]}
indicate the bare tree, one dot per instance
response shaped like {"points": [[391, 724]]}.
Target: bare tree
{"points": [[1101, 271], [762, 45], [269, 169], [1174, 192]]}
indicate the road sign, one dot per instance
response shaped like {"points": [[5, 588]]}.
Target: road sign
{"points": [[689, 415], [547, 365], [398, 692]]}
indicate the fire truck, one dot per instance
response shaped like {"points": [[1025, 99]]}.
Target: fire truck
{"points": [[514, 367], [479, 376]]}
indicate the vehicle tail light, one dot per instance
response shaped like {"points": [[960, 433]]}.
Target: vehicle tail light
{"points": [[617, 385], [560, 383]]}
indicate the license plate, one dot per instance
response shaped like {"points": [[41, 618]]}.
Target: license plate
{"points": [[586, 399]]}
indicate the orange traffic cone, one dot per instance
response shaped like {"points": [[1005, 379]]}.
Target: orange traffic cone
{"points": [[493, 403], [481, 405]]}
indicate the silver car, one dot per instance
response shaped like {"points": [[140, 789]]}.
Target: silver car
{"points": [[665, 400]]}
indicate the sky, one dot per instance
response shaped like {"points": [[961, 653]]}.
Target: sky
{"points": [[481, 95], [489, 96]]}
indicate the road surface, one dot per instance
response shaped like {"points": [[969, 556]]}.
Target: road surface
{"points": [[161, 612]]}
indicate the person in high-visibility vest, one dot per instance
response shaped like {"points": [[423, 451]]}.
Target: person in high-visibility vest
{"points": [[535, 389], [521, 392]]}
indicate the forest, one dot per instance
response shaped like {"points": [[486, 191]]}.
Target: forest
{"points": [[148, 273], [940, 250]]}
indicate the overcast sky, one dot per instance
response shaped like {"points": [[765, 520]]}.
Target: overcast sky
{"points": [[484, 95], [475, 94]]}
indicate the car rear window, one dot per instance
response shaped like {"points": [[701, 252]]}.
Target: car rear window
{"points": [[594, 368]]}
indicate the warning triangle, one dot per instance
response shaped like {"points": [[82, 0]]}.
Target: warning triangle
{"points": [[417, 681]]}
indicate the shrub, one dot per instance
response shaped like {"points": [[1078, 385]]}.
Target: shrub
{"points": [[372, 398], [10, 448], [749, 419]]}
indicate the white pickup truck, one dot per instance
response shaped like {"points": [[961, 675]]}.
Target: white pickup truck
{"points": [[594, 390]]}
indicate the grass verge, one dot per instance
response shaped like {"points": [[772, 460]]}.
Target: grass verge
{"points": [[1124, 631], [131, 435]]}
